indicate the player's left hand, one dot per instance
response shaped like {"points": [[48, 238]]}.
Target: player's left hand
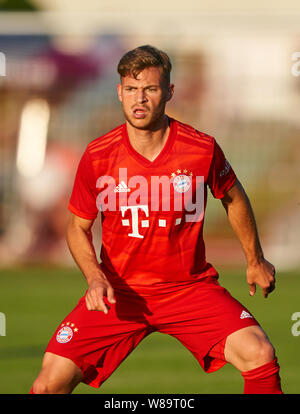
{"points": [[263, 275]]}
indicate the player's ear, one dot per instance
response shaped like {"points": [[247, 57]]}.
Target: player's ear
{"points": [[170, 92], [119, 90]]}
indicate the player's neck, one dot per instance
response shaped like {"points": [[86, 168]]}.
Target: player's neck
{"points": [[149, 142]]}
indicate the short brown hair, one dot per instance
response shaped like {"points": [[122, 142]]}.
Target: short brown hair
{"points": [[142, 57]]}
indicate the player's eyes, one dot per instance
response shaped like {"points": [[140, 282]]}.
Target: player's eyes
{"points": [[133, 89]]}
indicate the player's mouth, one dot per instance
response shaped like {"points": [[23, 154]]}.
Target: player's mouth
{"points": [[139, 113]]}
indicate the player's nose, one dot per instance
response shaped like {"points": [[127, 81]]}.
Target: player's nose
{"points": [[141, 96]]}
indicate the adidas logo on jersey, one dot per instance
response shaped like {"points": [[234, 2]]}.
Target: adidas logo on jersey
{"points": [[122, 188], [245, 315]]}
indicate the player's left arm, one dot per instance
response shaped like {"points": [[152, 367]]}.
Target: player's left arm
{"points": [[242, 220]]}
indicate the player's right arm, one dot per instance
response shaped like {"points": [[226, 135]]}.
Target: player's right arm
{"points": [[79, 239]]}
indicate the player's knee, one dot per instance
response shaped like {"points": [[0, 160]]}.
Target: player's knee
{"points": [[259, 352], [45, 384], [40, 387], [267, 352], [52, 387], [58, 375]]}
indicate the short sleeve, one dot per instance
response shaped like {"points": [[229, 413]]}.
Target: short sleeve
{"points": [[83, 198], [221, 175]]}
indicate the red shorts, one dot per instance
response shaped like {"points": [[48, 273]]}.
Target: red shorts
{"points": [[200, 316]]}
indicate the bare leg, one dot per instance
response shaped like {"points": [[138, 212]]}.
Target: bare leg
{"points": [[248, 348], [58, 375]]}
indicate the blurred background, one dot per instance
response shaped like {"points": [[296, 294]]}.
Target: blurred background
{"points": [[236, 69]]}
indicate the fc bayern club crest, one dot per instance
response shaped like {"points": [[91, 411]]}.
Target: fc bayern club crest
{"points": [[64, 335], [181, 183]]}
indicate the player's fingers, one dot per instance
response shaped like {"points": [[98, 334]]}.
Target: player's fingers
{"points": [[272, 286], [88, 303], [272, 281], [111, 295], [265, 292], [100, 305], [267, 289], [96, 300], [252, 289], [273, 273]]}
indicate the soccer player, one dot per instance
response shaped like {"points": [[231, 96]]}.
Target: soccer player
{"points": [[149, 179]]}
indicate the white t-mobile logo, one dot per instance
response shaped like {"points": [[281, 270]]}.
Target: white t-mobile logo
{"points": [[135, 219]]}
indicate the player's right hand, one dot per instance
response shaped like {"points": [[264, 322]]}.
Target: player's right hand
{"points": [[94, 298]]}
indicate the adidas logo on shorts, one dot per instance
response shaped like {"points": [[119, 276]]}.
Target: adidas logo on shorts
{"points": [[245, 315]]}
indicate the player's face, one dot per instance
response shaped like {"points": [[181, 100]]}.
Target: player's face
{"points": [[144, 99]]}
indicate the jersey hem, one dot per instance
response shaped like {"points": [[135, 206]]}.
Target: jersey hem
{"points": [[80, 213], [226, 189]]}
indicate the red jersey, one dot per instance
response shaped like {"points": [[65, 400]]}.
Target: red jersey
{"points": [[152, 212]]}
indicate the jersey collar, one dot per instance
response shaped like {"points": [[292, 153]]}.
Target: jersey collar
{"points": [[163, 153]]}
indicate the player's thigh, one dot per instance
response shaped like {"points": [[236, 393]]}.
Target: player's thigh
{"points": [[248, 348], [96, 342], [203, 316], [58, 375]]}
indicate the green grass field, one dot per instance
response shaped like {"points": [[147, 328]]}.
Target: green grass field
{"points": [[35, 300]]}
